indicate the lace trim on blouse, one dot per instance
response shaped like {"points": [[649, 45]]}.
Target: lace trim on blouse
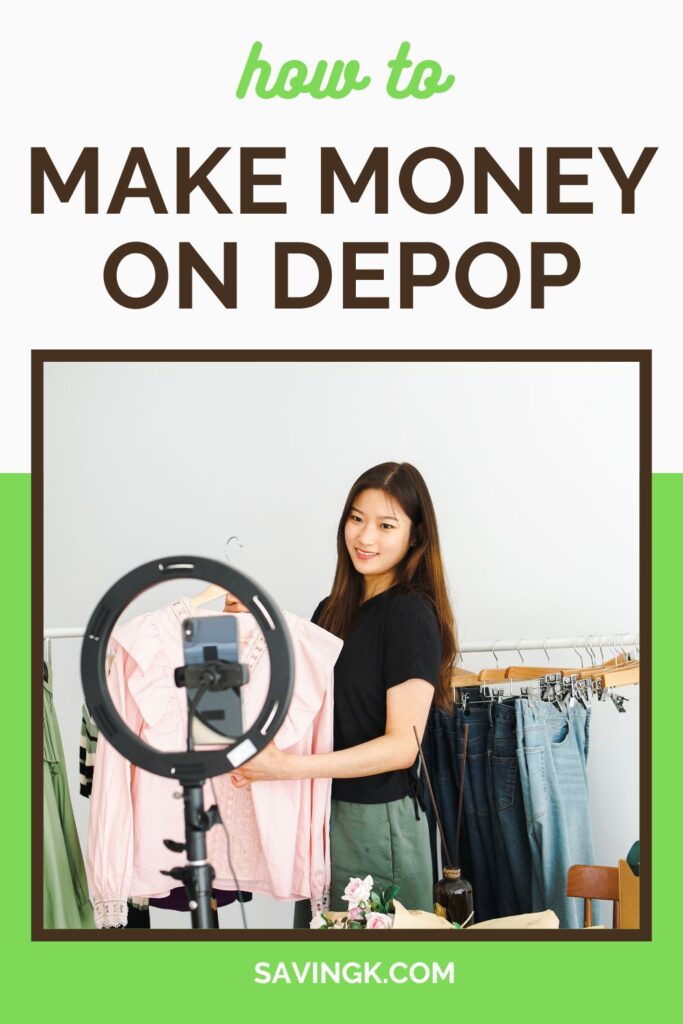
{"points": [[111, 913]]}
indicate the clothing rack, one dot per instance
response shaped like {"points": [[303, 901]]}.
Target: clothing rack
{"points": [[64, 633], [568, 643], [624, 670], [590, 642]]}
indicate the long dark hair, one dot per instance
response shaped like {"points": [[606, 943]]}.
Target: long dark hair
{"points": [[421, 569]]}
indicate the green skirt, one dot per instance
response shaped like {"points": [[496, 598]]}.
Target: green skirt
{"points": [[386, 841], [65, 887]]}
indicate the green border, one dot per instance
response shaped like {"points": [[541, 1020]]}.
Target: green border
{"points": [[520, 981]]}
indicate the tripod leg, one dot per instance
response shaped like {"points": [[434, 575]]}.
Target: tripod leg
{"points": [[199, 890], [197, 875], [201, 873]]}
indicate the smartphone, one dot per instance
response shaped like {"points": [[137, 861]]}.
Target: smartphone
{"points": [[218, 715]]}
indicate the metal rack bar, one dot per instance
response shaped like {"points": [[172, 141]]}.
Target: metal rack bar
{"points": [[568, 643]]}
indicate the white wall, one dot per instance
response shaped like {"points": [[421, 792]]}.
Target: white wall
{"points": [[533, 469]]}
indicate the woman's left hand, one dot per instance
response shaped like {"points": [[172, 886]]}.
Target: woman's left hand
{"points": [[269, 765]]}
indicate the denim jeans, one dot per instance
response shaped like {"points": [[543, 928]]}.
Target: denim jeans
{"points": [[443, 747], [513, 856], [552, 747], [477, 818]]}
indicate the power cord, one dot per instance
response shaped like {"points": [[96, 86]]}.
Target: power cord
{"points": [[227, 839]]}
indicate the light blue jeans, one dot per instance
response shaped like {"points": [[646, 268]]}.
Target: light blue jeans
{"points": [[552, 748]]}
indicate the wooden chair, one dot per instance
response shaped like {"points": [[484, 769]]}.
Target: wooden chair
{"points": [[592, 882], [629, 897]]}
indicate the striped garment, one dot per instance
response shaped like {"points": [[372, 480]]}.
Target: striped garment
{"points": [[86, 752]]}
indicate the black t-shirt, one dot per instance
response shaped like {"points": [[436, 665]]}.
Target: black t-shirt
{"points": [[395, 637]]}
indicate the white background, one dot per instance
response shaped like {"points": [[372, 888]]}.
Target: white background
{"points": [[162, 75], [533, 470]]}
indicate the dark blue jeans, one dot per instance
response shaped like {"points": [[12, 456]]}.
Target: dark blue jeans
{"points": [[438, 747], [477, 818], [513, 856], [443, 749]]}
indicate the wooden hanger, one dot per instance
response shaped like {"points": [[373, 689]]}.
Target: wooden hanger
{"points": [[626, 674], [522, 672], [492, 675], [519, 673], [512, 673]]}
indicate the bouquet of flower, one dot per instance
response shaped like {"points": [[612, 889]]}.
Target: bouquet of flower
{"points": [[368, 908]]}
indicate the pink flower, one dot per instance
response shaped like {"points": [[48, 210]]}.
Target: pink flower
{"points": [[354, 913], [317, 921], [376, 920], [358, 890]]}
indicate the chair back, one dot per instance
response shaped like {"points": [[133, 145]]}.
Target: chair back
{"points": [[594, 882]]}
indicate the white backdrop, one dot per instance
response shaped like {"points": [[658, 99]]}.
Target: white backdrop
{"points": [[533, 469]]}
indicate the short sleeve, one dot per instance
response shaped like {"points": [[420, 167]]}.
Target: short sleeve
{"points": [[319, 610], [412, 641]]}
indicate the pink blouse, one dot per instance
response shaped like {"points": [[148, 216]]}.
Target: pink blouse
{"points": [[279, 831]]}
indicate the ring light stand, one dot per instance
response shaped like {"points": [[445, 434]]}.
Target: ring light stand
{"points": [[191, 768]]}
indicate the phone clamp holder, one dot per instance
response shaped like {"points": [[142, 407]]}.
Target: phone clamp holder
{"points": [[212, 675]]}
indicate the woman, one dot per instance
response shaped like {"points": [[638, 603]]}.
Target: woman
{"points": [[390, 606]]}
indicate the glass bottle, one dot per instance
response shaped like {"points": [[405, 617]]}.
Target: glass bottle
{"points": [[453, 897]]}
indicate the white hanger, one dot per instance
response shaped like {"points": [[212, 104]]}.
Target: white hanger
{"points": [[212, 590]]}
